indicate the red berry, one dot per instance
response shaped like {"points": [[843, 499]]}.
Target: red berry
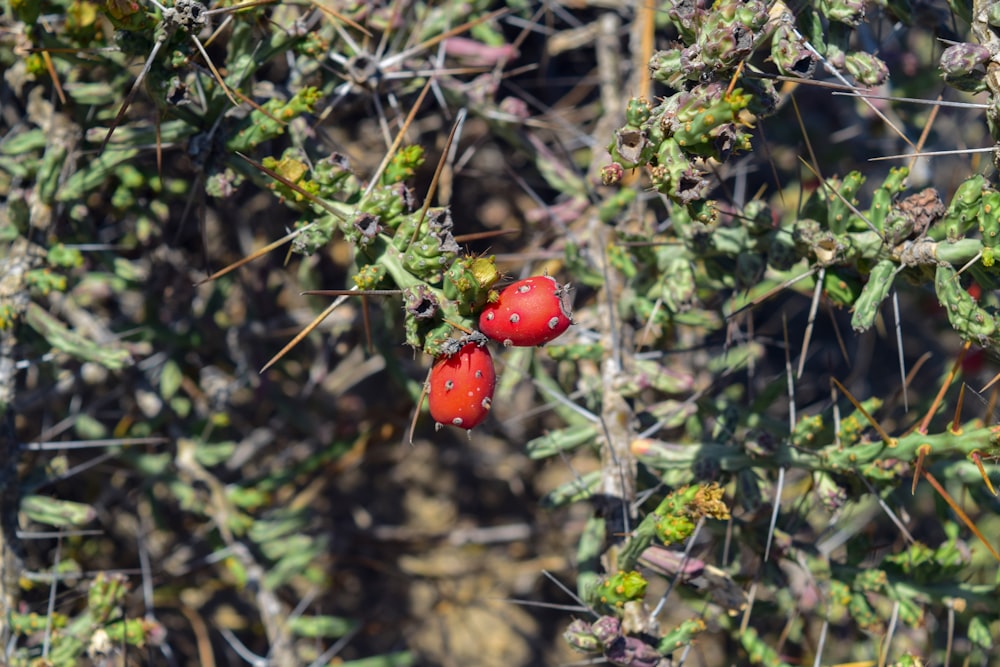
{"points": [[460, 390], [530, 312]]}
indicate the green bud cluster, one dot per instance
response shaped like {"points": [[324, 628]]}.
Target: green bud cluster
{"points": [[397, 245], [607, 635], [963, 211], [104, 613], [866, 68], [426, 243], [272, 118], [714, 40], [706, 117], [468, 282], [615, 590]]}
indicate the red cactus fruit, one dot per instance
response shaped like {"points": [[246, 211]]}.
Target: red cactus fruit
{"points": [[460, 390], [530, 312]]}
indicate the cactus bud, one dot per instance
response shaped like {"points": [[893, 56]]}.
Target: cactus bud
{"points": [[580, 637], [612, 174], [724, 44], [789, 55], [469, 280], [667, 67], [850, 12], [866, 68], [621, 587], [607, 629], [964, 66], [637, 111]]}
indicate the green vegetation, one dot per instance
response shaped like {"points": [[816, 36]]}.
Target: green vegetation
{"points": [[237, 237]]}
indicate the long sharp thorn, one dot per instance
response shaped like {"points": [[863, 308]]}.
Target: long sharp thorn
{"points": [[251, 257], [774, 512], [811, 322], [791, 427], [978, 460], [131, 93], [478, 236], [813, 163], [899, 349], [841, 345], [925, 422], [956, 422], [257, 107], [989, 384], [52, 601], [918, 468], [391, 153], [233, 9], [308, 329], [420, 404], [751, 598], [367, 321], [218, 30], [957, 151], [340, 17], [351, 292], [456, 127], [925, 133], [294, 186], [836, 74], [991, 405], [886, 438], [771, 163], [50, 66], [896, 521], [821, 643], [215, 72], [458, 30], [97, 442], [771, 292], [383, 42], [965, 267], [887, 640], [975, 454], [924, 358], [913, 100], [735, 78], [961, 513]]}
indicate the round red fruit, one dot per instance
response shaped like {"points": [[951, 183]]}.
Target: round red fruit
{"points": [[530, 312], [460, 390]]}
